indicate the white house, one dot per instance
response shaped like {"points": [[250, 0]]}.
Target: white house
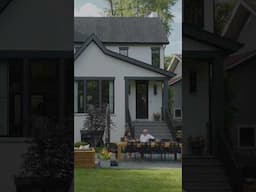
{"points": [[119, 61]]}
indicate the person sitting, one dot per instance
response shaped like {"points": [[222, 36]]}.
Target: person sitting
{"points": [[145, 136], [128, 136]]}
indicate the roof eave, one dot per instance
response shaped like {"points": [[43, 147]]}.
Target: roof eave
{"points": [[108, 52]]}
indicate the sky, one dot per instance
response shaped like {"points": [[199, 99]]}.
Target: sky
{"points": [[96, 8]]}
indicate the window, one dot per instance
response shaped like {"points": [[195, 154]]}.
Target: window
{"points": [[178, 113], [92, 94], [79, 96], [194, 12], [247, 136], [97, 93], [123, 51], [155, 56]]}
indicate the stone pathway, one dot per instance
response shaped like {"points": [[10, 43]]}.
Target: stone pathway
{"points": [[145, 164], [155, 163]]}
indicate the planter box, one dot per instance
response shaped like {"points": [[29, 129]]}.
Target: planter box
{"points": [[33, 184], [84, 158]]}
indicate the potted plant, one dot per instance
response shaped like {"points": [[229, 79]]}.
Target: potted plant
{"points": [[95, 126], [48, 163], [105, 157], [156, 116], [197, 144], [81, 145]]}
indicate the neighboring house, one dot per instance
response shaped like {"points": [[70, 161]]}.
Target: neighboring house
{"points": [[26, 47], [203, 99], [240, 69], [175, 84], [120, 61]]}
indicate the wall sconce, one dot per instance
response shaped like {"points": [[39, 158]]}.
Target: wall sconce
{"points": [[155, 89]]}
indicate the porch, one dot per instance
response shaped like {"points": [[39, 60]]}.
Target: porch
{"points": [[146, 106]]}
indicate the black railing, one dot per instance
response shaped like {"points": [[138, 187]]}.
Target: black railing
{"points": [[129, 123], [225, 153], [168, 118]]}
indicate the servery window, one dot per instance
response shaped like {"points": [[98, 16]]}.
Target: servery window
{"points": [[93, 94]]}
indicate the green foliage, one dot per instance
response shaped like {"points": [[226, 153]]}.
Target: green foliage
{"points": [[223, 10], [129, 8], [80, 143], [170, 98]]}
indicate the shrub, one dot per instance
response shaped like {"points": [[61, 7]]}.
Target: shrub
{"points": [[78, 144]]}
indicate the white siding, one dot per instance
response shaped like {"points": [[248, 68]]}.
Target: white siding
{"points": [[140, 52], [93, 63], [196, 104], [154, 101]]}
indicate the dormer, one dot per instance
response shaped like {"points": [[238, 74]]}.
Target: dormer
{"points": [[199, 13]]}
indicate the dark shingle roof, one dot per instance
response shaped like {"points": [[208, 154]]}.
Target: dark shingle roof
{"points": [[121, 29], [94, 38]]}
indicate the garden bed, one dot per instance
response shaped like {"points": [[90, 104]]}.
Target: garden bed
{"points": [[84, 158]]}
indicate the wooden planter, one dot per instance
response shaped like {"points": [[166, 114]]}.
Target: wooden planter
{"points": [[84, 158]]}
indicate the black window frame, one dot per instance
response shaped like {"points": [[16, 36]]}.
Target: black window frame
{"points": [[153, 52], [100, 97], [192, 13], [124, 49]]}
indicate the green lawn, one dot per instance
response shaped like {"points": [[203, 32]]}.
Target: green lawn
{"points": [[114, 180]]}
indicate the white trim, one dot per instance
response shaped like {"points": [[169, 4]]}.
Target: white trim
{"points": [[231, 18], [238, 135]]}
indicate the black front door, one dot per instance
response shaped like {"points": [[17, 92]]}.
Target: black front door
{"points": [[141, 99]]}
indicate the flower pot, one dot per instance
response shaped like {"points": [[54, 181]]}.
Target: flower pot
{"points": [[105, 163]]}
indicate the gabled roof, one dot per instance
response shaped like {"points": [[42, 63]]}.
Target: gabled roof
{"points": [[235, 60], [94, 38], [175, 80], [239, 16], [121, 29], [174, 65], [209, 38]]}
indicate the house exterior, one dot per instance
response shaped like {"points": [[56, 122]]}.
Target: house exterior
{"points": [[27, 44], [240, 72], [119, 61], [175, 84], [203, 118]]}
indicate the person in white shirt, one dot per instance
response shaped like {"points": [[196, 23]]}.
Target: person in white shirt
{"points": [[145, 136]]}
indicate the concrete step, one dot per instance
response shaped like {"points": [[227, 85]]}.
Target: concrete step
{"points": [[204, 173]]}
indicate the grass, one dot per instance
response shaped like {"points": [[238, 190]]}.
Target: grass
{"points": [[124, 180]]}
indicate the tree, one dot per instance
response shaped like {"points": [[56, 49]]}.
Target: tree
{"points": [[143, 8], [223, 10]]}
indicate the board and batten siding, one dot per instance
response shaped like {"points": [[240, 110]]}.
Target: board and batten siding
{"points": [[94, 63]]}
